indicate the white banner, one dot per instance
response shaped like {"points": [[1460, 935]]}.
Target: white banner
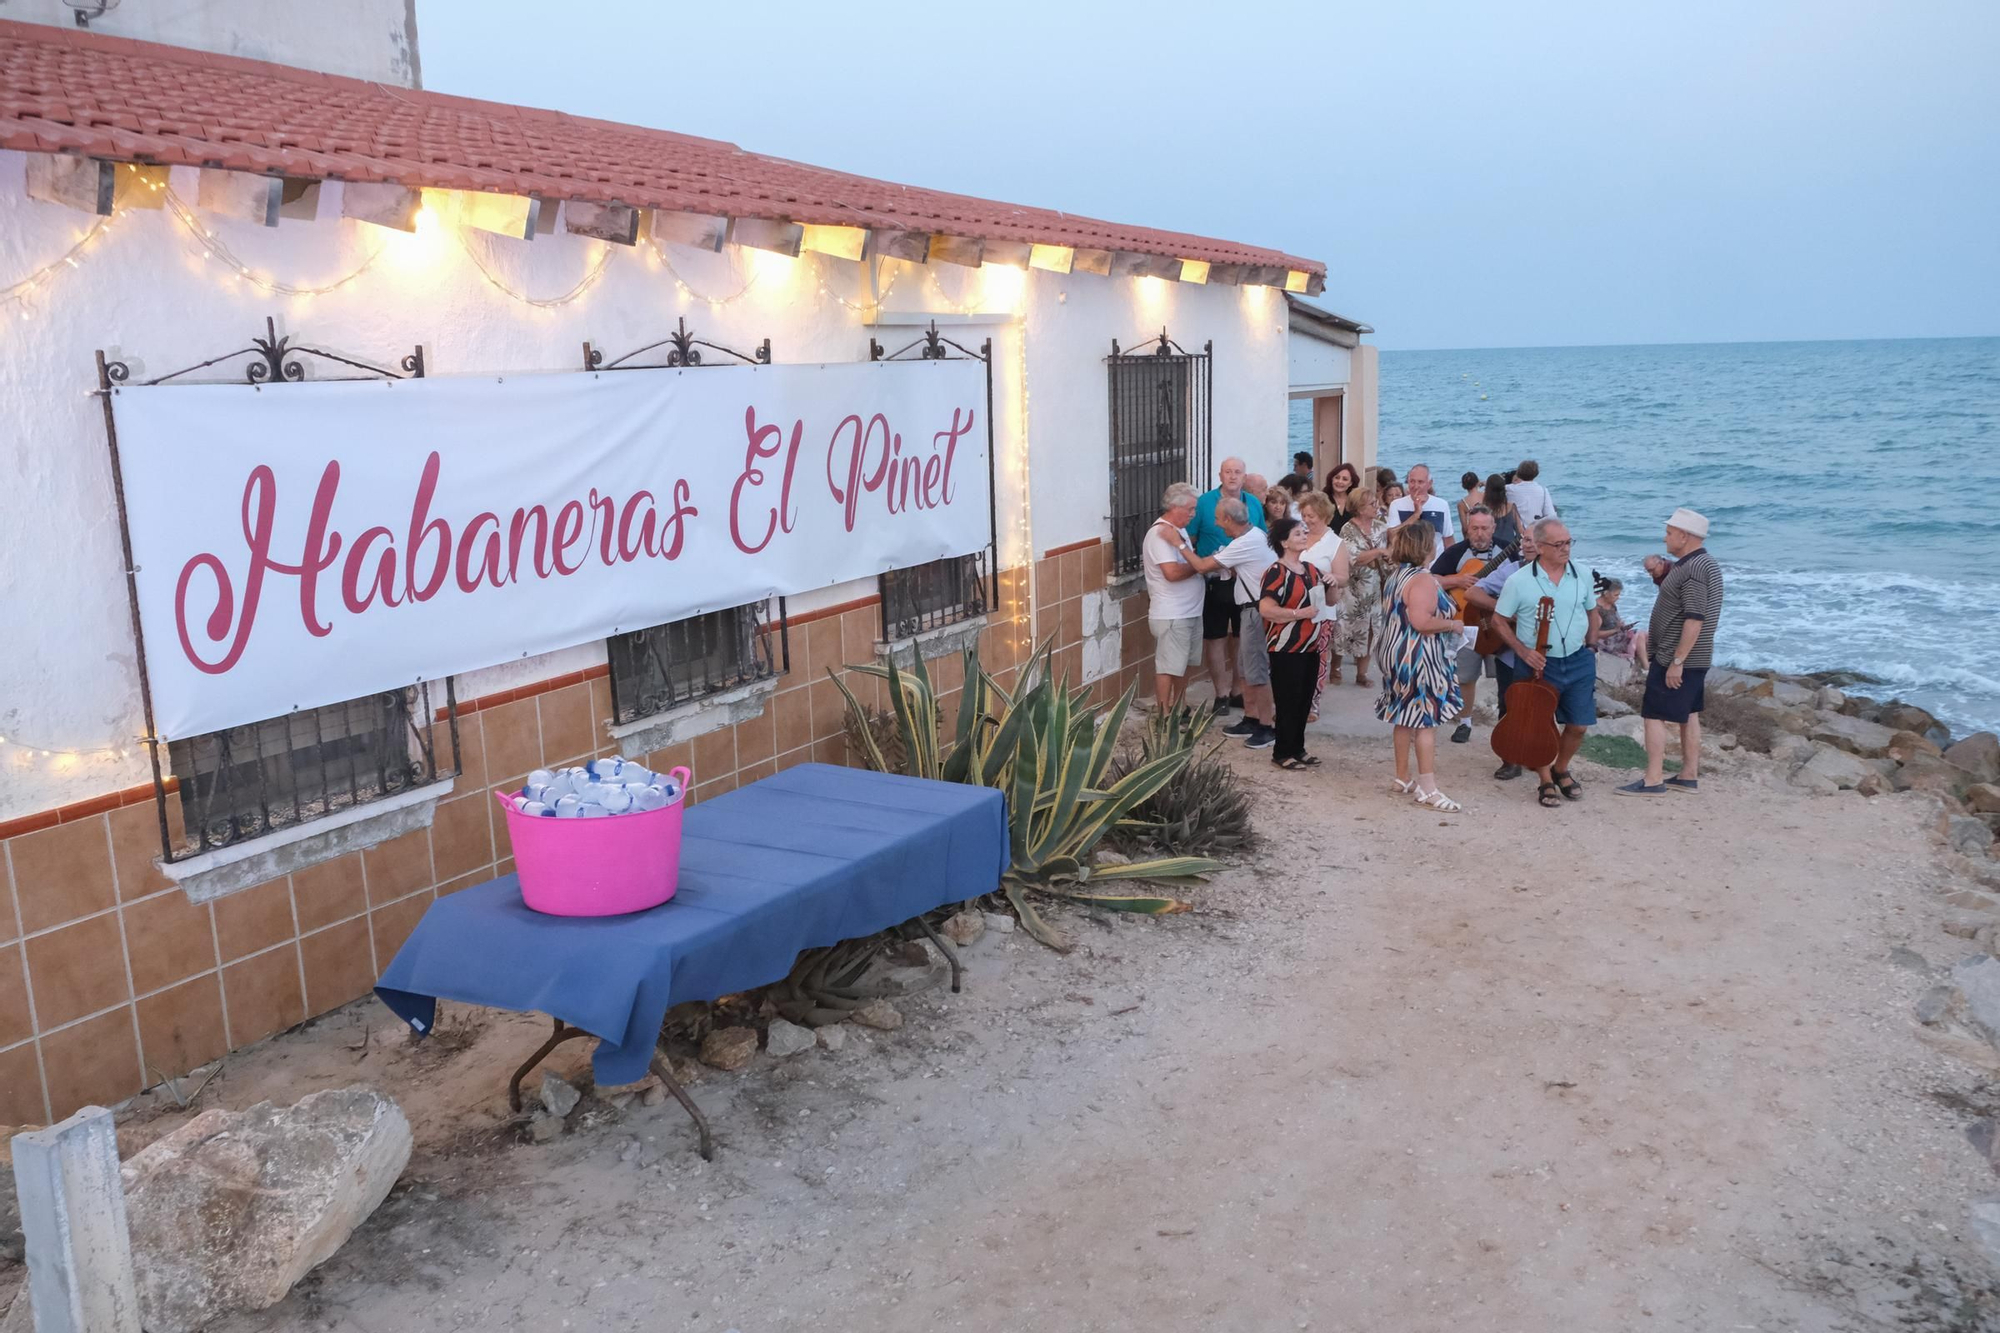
{"points": [[302, 544]]}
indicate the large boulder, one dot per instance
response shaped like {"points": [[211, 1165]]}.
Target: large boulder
{"points": [[1785, 692], [1724, 683], [1965, 834], [1843, 770], [1853, 735], [1977, 1002], [1907, 745], [1613, 671], [1978, 754], [232, 1208], [1983, 798], [1935, 776], [1900, 716], [1780, 717], [1789, 749]]}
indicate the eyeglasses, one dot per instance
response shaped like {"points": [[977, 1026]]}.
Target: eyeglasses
{"points": [[1546, 542]]}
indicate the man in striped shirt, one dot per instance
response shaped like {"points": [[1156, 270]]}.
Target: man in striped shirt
{"points": [[1681, 639]]}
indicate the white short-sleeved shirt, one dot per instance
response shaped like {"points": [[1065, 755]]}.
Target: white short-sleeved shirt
{"points": [[1533, 501], [1436, 513], [1320, 556], [1247, 557], [1171, 599]]}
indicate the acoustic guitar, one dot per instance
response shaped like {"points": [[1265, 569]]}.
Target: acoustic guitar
{"points": [[1528, 735], [1467, 612]]}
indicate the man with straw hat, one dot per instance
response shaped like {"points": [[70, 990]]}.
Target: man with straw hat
{"points": [[1681, 639]]}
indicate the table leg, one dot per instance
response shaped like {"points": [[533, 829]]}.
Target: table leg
{"points": [[563, 1033], [666, 1078], [945, 948]]}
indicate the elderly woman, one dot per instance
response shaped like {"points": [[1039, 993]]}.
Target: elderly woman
{"points": [[1322, 548], [1418, 655], [1357, 571], [1287, 606], [1341, 483]]}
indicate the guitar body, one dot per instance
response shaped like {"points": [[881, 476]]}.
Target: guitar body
{"points": [[1476, 615], [1528, 734]]}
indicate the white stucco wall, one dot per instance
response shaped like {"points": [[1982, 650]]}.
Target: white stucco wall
{"points": [[364, 39], [1316, 364], [145, 294]]}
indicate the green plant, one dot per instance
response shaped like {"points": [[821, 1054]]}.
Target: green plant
{"points": [[1204, 810], [1050, 750]]}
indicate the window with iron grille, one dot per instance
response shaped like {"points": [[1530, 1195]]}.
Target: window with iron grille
{"points": [[1161, 415], [288, 771], [656, 669], [931, 596]]}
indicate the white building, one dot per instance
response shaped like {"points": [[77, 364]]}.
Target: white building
{"points": [[147, 927]]}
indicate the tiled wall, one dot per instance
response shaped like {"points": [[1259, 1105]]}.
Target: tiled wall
{"points": [[111, 980]]}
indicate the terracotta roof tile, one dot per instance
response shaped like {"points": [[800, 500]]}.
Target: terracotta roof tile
{"points": [[83, 92]]}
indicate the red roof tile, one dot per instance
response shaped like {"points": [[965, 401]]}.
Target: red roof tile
{"points": [[83, 92]]}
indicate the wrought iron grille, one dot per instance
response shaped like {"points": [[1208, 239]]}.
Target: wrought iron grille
{"points": [[1162, 415], [277, 774], [928, 597], [272, 775], [944, 592], [656, 669]]}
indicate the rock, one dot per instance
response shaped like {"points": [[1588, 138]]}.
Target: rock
{"points": [[1875, 784], [1976, 983], [913, 953], [1614, 671], [1725, 683], [1964, 834], [1611, 706], [1932, 1004], [1967, 924], [787, 1039], [1906, 745], [1790, 749], [964, 927], [1978, 754], [1780, 717], [880, 1015], [1842, 769], [1784, 692], [231, 1209], [831, 1038], [1003, 922], [557, 1095], [1909, 958], [1930, 775], [1853, 735], [1725, 740], [1906, 717], [1970, 901], [729, 1048], [1983, 798], [686, 1072], [545, 1127], [1830, 700], [1813, 782], [1630, 725]]}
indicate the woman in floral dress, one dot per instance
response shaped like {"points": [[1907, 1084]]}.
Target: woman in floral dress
{"points": [[1418, 657], [1358, 570]]}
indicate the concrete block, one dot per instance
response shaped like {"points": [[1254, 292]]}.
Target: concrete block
{"points": [[80, 1274]]}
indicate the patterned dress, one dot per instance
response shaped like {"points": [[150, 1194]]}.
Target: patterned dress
{"points": [[1419, 670], [1361, 605]]}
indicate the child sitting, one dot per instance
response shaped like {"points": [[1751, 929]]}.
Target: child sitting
{"points": [[1614, 635]]}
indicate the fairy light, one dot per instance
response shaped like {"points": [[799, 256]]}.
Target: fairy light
{"points": [[584, 284], [213, 248], [71, 258]]}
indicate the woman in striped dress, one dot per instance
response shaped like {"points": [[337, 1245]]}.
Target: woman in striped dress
{"points": [[1418, 657]]}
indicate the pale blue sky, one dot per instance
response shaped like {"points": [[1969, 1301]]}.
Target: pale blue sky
{"points": [[1473, 175]]}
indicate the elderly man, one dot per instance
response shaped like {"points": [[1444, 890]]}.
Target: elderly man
{"points": [[1421, 504], [1681, 645], [1174, 589], [1461, 566], [1569, 665], [1485, 594], [1245, 558], [1220, 621]]}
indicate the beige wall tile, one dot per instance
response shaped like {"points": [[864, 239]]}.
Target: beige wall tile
{"points": [[181, 1028], [169, 939], [77, 970], [62, 873], [95, 1063]]}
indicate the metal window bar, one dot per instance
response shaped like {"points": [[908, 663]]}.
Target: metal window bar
{"points": [[1162, 419], [275, 774], [955, 588], [662, 667]]}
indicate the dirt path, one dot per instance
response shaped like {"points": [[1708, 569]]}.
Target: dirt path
{"points": [[1623, 1065]]}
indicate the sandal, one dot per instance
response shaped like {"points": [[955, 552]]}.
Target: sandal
{"points": [[1309, 760], [1290, 765], [1438, 801], [1571, 789], [1361, 682], [1398, 787], [1549, 795]]}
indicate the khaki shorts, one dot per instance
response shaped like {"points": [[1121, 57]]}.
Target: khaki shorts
{"points": [[1253, 661], [1176, 645], [1471, 666]]}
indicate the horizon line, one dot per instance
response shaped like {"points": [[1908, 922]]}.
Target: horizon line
{"points": [[1718, 342]]}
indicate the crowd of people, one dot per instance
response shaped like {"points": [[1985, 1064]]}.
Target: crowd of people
{"points": [[1276, 588]]}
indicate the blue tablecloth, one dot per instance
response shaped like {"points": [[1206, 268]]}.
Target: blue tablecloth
{"points": [[805, 858]]}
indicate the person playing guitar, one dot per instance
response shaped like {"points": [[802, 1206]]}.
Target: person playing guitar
{"points": [[1463, 564]]}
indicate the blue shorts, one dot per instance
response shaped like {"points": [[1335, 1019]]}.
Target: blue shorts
{"points": [[1575, 681], [1662, 704]]}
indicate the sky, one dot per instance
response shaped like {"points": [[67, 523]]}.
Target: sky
{"points": [[1473, 175]]}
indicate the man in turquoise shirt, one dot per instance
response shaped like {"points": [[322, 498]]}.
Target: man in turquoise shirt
{"points": [[1220, 618], [1569, 665]]}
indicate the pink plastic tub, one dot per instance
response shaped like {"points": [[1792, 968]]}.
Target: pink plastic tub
{"points": [[597, 867]]}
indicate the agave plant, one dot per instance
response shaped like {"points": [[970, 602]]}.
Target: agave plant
{"points": [[1050, 750], [1204, 810]]}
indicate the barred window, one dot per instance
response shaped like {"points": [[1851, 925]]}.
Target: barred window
{"points": [[1160, 426], [288, 771], [653, 670], [930, 596]]}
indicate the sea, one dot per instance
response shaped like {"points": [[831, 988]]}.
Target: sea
{"points": [[1852, 488]]}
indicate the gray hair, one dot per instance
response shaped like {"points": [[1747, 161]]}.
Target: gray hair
{"points": [[1233, 510], [1542, 526], [1477, 510], [1178, 494]]}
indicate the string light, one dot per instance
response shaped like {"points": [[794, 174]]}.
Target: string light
{"points": [[714, 302], [213, 247], [33, 749], [583, 285], [18, 291]]}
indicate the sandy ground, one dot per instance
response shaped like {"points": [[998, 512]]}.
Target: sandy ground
{"points": [[1622, 1065]]}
